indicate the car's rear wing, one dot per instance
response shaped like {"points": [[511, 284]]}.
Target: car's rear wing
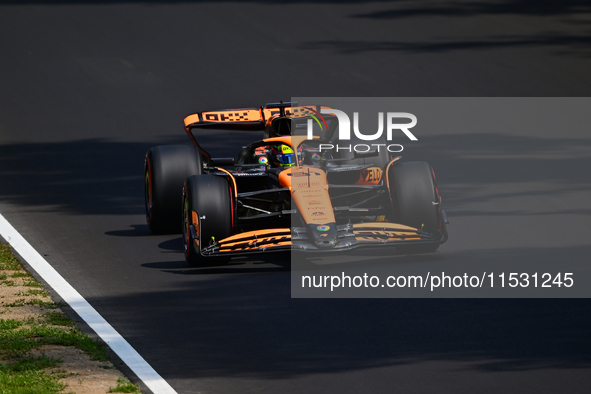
{"points": [[248, 119], [245, 118]]}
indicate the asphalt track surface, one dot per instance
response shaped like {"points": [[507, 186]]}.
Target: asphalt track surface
{"points": [[88, 87]]}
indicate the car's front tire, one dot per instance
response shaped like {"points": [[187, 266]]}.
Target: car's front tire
{"points": [[207, 206], [415, 200]]}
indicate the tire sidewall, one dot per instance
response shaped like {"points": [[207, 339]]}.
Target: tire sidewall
{"points": [[165, 170], [413, 192], [210, 197]]}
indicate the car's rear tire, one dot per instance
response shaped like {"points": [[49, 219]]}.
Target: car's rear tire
{"points": [[210, 197], [413, 194], [165, 170]]}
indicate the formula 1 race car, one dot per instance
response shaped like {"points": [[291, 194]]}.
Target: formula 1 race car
{"points": [[288, 191]]}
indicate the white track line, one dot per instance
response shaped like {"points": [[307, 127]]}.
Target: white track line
{"points": [[116, 342]]}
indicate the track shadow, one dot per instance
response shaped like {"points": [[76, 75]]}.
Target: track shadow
{"points": [[92, 176], [555, 36], [138, 230], [566, 44], [416, 8], [475, 8], [281, 337], [263, 263], [101, 177]]}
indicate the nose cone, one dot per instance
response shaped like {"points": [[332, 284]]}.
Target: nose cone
{"points": [[323, 235]]}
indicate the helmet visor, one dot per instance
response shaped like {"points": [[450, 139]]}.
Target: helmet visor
{"points": [[286, 158]]}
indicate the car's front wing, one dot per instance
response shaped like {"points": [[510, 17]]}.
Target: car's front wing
{"points": [[349, 236]]}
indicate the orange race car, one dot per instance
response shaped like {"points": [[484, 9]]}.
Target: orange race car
{"points": [[288, 191]]}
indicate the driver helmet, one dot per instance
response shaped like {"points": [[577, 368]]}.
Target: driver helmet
{"points": [[282, 156]]}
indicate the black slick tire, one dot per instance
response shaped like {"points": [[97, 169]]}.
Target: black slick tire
{"points": [[413, 194], [165, 170], [208, 199]]}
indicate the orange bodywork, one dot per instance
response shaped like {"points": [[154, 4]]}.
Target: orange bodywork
{"points": [[227, 116], [384, 232], [254, 240], [292, 112], [235, 187], [370, 176], [308, 187], [247, 115], [309, 191], [195, 223]]}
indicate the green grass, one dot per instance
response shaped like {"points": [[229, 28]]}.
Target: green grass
{"points": [[9, 324], [124, 386], [20, 274], [34, 292], [32, 283], [18, 342], [28, 376], [7, 259], [56, 319], [35, 301]]}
